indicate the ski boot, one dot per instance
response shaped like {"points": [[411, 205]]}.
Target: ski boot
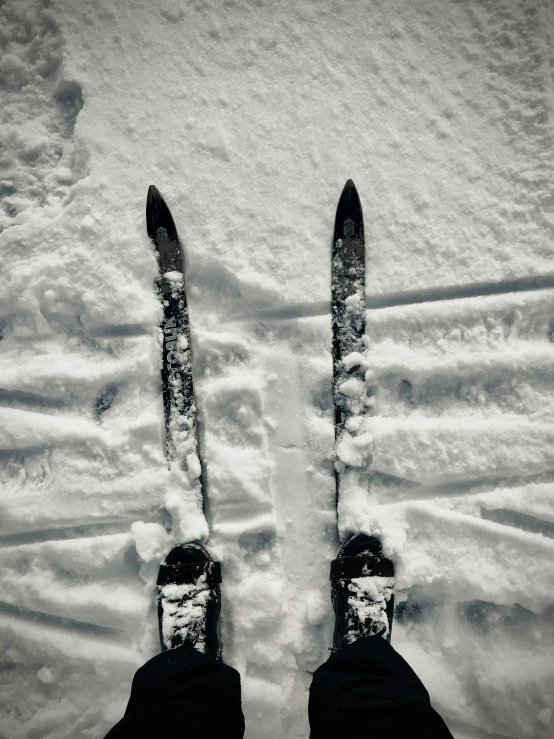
{"points": [[362, 585], [189, 600]]}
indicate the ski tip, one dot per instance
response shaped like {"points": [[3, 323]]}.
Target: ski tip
{"points": [[349, 192], [158, 215], [153, 193], [349, 218], [349, 199]]}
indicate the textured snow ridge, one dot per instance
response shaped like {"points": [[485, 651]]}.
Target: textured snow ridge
{"points": [[249, 117]]}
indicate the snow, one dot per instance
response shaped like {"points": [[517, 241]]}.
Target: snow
{"points": [[249, 116], [184, 613], [367, 601]]}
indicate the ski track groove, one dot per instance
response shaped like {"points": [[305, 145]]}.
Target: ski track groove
{"points": [[449, 515], [16, 398], [536, 362], [464, 487], [78, 530], [517, 520], [120, 331], [456, 292], [402, 298], [63, 623]]}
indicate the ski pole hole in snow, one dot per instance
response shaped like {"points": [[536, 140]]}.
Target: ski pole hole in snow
{"points": [[69, 96], [105, 399]]}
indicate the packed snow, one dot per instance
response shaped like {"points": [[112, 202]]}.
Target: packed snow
{"points": [[184, 613], [249, 116], [367, 601]]}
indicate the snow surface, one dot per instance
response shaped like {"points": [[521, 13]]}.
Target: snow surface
{"points": [[249, 116]]}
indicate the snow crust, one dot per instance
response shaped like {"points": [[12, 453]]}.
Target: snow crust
{"points": [[249, 117]]}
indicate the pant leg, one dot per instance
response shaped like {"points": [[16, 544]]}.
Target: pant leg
{"points": [[367, 690], [182, 694]]}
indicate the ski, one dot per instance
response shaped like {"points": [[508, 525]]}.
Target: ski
{"points": [[348, 311], [181, 436]]}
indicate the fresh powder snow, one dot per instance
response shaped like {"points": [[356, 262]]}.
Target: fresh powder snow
{"points": [[249, 116]]}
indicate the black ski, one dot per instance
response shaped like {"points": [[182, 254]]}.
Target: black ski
{"points": [[177, 385], [348, 304]]}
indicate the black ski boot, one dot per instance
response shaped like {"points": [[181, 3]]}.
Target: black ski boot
{"points": [[362, 585], [189, 600]]}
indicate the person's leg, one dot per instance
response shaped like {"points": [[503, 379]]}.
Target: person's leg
{"points": [[181, 693], [186, 691], [366, 689]]}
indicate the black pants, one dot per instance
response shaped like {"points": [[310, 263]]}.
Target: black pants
{"points": [[363, 691]]}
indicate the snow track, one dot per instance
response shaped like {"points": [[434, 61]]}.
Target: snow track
{"points": [[461, 425], [460, 486], [250, 116]]}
